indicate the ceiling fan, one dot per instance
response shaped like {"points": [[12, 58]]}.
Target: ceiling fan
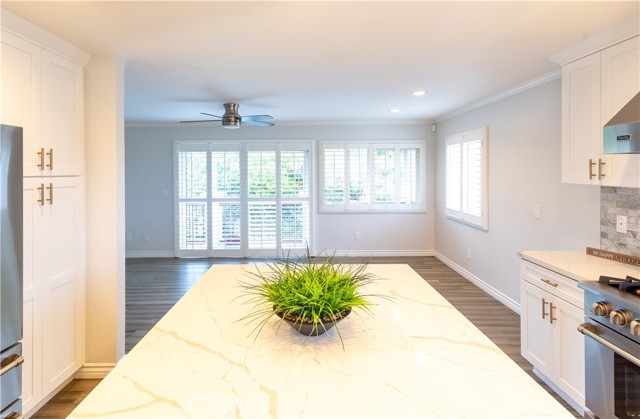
{"points": [[231, 119]]}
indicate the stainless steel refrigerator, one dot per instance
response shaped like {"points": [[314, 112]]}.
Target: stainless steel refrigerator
{"points": [[11, 271]]}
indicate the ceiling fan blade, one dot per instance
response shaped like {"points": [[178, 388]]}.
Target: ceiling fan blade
{"points": [[255, 117], [202, 120], [208, 114], [257, 123]]}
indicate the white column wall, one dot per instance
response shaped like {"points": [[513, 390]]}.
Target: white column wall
{"points": [[104, 168]]}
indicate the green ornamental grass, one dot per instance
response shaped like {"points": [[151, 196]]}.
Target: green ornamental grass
{"points": [[307, 291]]}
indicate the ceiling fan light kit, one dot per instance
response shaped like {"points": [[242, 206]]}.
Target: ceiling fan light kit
{"points": [[231, 119]]}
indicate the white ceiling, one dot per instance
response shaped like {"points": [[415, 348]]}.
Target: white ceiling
{"points": [[322, 61]]}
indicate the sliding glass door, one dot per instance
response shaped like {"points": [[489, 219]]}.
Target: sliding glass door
{"points": [[242, 199]]}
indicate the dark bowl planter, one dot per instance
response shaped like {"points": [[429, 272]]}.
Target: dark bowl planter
{"points": [[307, 328]]}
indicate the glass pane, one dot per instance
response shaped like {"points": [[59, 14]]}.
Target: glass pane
{"points": [[192, 174], [193, 225], [262, 225], [225, 229], [293, 174], [295, 225], [358, 175], [225, 174], [261, 174], [409, 175], [384, 167], [333, 176]]}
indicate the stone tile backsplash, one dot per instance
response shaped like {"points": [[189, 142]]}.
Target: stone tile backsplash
{"points": [[616, 201]]}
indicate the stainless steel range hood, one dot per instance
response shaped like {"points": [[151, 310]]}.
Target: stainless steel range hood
{"points": [[621, 135]]}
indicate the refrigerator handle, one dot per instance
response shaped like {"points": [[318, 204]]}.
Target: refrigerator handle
{"points": [[10, 363]]}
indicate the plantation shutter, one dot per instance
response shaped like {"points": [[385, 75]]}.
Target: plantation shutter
{"points": [[261, 185], [333, 175], [226, 215], [466, 183], [359, 183], [191, 160], [294, 195]]}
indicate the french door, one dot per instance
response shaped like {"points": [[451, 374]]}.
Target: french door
{"points": [[241, 199]]}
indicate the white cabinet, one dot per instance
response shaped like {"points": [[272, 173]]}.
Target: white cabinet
{"points": [[43, 93], [54, 287], [594, 88], [551, 310]]}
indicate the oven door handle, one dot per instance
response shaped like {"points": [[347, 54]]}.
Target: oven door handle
{"points": [[589, 330]]}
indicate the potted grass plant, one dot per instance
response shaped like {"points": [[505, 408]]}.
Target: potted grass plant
{"points": [[310, 294]]}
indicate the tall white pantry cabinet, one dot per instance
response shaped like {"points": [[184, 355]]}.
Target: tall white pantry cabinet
{"points": [[42, 91]]}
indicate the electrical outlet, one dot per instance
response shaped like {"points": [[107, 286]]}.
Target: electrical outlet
{"points": [[468, 253], [621, 224], [357, 235], [145, 237], [129, 238]]}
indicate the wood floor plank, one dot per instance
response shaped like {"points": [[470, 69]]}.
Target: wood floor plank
{"points": [[154, 285]]}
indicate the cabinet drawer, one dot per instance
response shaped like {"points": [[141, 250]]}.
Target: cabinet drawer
{"points": [[552, 282]]}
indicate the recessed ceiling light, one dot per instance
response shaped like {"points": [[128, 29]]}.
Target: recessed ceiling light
{"points": [[394, 110], [419, 93]]}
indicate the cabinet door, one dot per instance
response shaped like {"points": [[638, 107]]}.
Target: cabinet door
{"points": [[63, 281], [21, 62], [32, 297], [535, 334], [62, 113], [568, 350], [581, 130], [621, 82]]}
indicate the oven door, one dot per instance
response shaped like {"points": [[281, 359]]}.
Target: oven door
{"points": [[612, 373]]}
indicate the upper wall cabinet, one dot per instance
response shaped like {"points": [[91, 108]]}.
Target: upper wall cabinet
{"points": [[594, 88], [44, 96]]}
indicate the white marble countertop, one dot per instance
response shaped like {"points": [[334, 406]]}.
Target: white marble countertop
{"points": [[578, 265], [416, 357]]}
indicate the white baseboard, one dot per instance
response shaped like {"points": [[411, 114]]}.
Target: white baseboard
{"points": [[379, 253], [358, 253], [495, 293], [91, 370], [149, 254]]}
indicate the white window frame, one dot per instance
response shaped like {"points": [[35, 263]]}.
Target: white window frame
{"points": [[244, 147], [462, 214], [371, 206]]}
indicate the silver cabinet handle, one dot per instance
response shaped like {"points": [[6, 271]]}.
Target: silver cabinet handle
{"points": [[10, 363], [589, 329]]}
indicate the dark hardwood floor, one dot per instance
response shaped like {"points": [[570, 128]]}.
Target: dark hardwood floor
{"points": [[153, 286]]}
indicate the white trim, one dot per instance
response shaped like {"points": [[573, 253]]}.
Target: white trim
{"points": [[165, 124], [545, 78], [495, 293], [614, 35], [379, 253], [150, 254], [94, 370], [44, 39]]}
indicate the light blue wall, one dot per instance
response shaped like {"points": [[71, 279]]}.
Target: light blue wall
{"points": [[524, 170], [149, 173]]}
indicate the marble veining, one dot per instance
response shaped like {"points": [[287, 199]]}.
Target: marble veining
{"points": [[417, 356]]}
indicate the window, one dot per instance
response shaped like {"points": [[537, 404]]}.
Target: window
{"points": [[369, 177], [466, 177], [241, 199]]}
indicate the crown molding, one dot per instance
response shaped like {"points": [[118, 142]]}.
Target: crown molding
{"points": [[614, 35], [161, 124], [545, 78], [32, 33]]}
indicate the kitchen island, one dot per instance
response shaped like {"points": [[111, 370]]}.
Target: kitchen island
{"points": [[417, 356]]}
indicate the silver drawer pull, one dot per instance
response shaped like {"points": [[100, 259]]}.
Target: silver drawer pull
{"points": [[546, 281], [589, 329], [10, 363]]}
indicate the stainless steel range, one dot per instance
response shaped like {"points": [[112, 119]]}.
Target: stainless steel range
{"points": [[612, 345]]}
